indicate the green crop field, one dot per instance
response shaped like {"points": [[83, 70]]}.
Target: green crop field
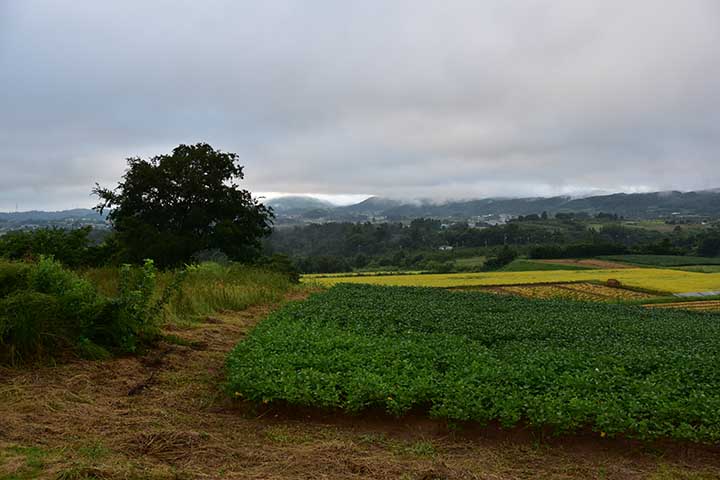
{"points": [[522, 265], [569, 366], [664, 260]]}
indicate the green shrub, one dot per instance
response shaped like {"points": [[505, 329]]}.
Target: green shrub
{"points": [[13, 276], [71, 247], [136, 312], [31, 323], [48, 308], [282, 264], [45, 307]]}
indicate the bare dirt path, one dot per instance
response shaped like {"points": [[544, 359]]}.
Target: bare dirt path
{"points": [[163, 416]]}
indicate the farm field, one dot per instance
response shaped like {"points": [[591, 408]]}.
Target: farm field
{"points": [[612, 370], [163, 416], [651, 279], [374, 273], [465, 262], [699, 305], [523, 265], [589, 292], [664, 260], [585, 263], [700, 268]]}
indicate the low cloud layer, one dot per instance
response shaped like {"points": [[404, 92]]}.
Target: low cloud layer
{"points": [[441, 99]]}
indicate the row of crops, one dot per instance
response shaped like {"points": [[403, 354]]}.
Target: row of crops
{"points": [[701, 305], [572, 291], [566, 365]]}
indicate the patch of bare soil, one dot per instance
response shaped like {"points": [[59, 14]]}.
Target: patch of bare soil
{"points": [[163, 416], [588, 262]]}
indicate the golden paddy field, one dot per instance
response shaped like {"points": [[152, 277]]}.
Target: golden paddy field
{"points": [[651, 279]]}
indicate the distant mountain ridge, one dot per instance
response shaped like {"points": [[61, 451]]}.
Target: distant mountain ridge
{"points": [[300, 209], [73, 218], [630, 205], [294, 204], [40, 215]]}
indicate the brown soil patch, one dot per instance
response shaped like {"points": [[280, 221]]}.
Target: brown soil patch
{"points": [[700, 305], [163, 416], [588, 262], [585, 291]]}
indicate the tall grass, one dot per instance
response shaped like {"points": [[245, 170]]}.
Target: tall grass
{"points": [[207, 288], [46, 309]]}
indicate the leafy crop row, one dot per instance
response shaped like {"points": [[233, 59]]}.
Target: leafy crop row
{"points": [[616, 369]]}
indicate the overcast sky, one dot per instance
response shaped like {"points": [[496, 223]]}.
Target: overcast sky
{"points": [[441, 99]]}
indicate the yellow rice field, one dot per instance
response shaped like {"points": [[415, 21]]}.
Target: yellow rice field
{"points": [[653, 279]]}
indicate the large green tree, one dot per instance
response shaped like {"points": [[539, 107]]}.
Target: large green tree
{"points": [[171, 207]]}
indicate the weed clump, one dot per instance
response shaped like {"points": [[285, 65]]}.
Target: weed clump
{"points": [[46, 309]]}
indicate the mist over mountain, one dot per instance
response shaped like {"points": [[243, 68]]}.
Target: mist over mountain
{"points": [[294, 204], [299, 209], [630, 205]]}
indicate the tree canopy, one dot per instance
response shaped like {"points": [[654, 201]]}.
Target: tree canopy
{"points": [[172, 207]]}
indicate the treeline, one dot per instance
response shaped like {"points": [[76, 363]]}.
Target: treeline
{"points": [[82, 247], [429, 244], [424, 244]]}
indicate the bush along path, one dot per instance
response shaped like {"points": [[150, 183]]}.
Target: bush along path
{"points": [[47, 311], [163, 415]]}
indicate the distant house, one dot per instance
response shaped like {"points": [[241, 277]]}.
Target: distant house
{"points": [[446, 248]]}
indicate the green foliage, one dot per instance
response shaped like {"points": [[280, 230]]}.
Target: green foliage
{"points": [[503, 258], [340, 247], [72, 248], [26, 320], [171, 207], [709, 245], [205, 288], [13, 276], [136, 311], [282, 264], [583, 250], [209, 287], [619, 370], [663, 260], [522, 265], [47, 310]]}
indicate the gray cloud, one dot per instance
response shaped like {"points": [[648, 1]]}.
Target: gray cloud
{"points": [[405, 98]]}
